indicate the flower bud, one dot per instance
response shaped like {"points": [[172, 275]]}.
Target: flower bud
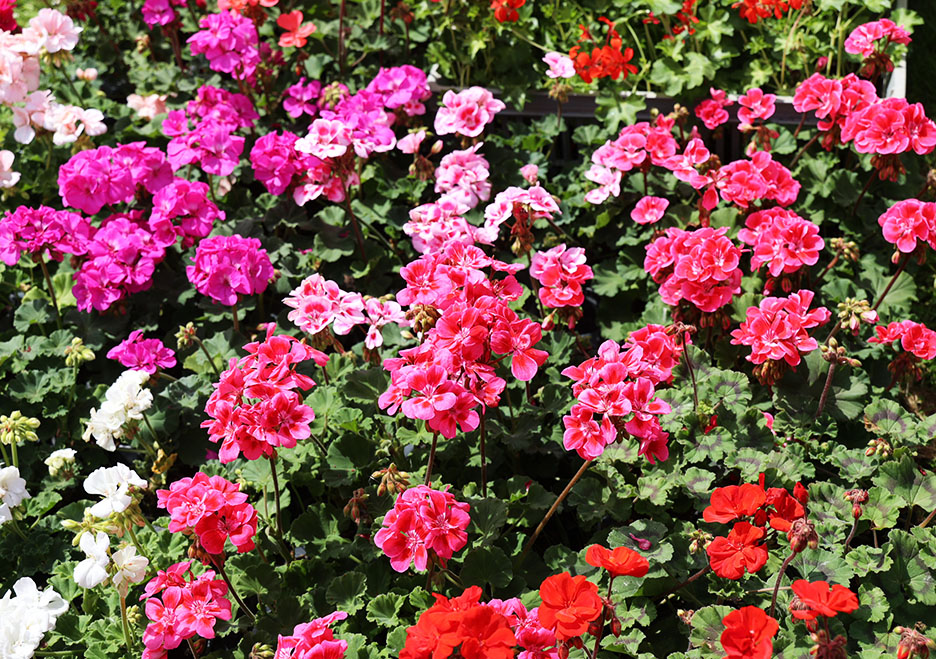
{"points": [[261, 651], [18, 429], [77, 353]]}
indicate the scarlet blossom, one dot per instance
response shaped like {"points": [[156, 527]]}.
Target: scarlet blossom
{"points": [[748, 634], [296, 33], [820, 599], [755, 10], [734, 501], [620, 562], [505, 11], [786, 509], [569, 605], [731, 557], [479, 630], [607, 61]]}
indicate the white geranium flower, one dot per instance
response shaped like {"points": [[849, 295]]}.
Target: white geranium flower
{"points": [[112, 483], [93, 570], [25, 616], [124, 401], [60, 459], [12, 487], [130, 569]]}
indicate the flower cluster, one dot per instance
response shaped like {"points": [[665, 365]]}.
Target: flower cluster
{"points": [[229, 41], [255, 407], [212, 508], [104, 176], [505, 11], [319, 303], [465, 319], [476, 628], [711, 112], [42, 233], [755, 104], [160, 12], [525, 205], [124, 401], [12, 492], [229, 266], [116, 485], [782, 240], [424, 525], [147, 107], [871, 41], [755, 10], [833, 101], [313, 640], [569, 605], [637, 146], [183, 210], [605, 61], [180, 606], [620, 384], [26, 615], [300, 98], [915, 338], [777, 330], [121, 258], [467, 112], [402, 88], [700, 267], [462, 176], [141, 354], [125, 566], [742, 550], [561, 67], [215, 114], [908, 221], [561, 272], [436, 224]]}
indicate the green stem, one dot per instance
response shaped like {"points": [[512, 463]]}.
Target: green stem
{"points": [[279, 517], [15, 457], [135, 541], [48, 279], [236, 320], [6, 458], [208, 355], [55, 653], [432, 452], [125, 623], [233, 591], [890, 284], [150, 448]]}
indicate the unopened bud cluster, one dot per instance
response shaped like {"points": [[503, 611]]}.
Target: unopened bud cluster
{"points": [[880, 447], [856, 497], [847, 249], [392, 480], [852, 312], [77, 353], [17, 429], [835, 354]]}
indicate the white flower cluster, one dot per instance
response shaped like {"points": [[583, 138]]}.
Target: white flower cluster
{"points": [[128, 567], [26, 614], [60, 461], [112, 483], [12, 493], [124, 401]]}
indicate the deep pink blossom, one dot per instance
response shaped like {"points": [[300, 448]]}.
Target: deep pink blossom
{"points": [[229, 266], [141, 354], [776, 330], [467, 112]]}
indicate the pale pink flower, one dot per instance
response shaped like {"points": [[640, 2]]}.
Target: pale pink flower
{"points": [[560, 66], [56, 30], [147, 107], [8, 178]]}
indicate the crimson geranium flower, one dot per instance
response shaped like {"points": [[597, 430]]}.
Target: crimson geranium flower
{"points": [[569, 605], [505, 11], [786, 509], [823, 600], [620, 561], [731, 556], [734, 501], [607, 61], [748, 633]]}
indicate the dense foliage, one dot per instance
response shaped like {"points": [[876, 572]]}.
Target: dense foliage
{"points": [[465, 329]]}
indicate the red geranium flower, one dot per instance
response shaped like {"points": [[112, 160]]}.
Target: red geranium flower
{"points": [[569, 605], [296, 33], [505, 11], [822, 600], [607, 61], [731, 556], [730, 503], [620, 562], [786, 509], [748, 633]]}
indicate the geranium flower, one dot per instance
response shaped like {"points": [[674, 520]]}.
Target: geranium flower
{"points": [[621, 561], [734, 501], [569, 605], [748, 634], [730, 557], [820, 599], [296, 32]]}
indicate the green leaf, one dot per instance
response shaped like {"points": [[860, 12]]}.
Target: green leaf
{"points": [[913, 576], [874, 605], [487, 565], [882, 508], [904, 480], [887, 417], [384, 608], [488, 516], [865, 560], [346, 593], [30, 313], [823, 565], [707, 627]]}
